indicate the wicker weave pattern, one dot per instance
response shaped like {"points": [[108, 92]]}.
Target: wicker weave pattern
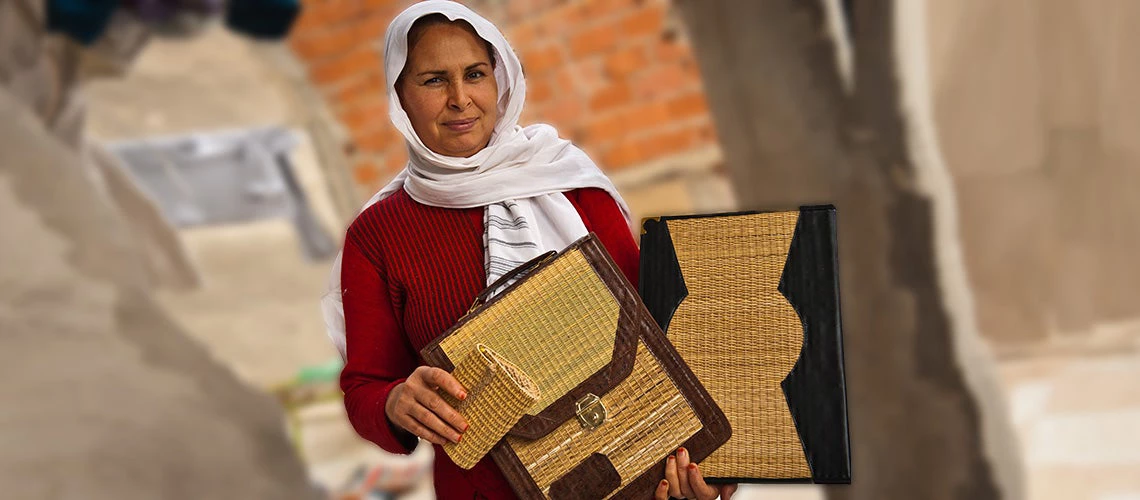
{"points": [[564, 333], [648, 419], [735, 321], [499, 393]]}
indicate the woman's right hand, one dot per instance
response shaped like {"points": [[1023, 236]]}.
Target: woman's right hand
{"points": [[415, 406]]}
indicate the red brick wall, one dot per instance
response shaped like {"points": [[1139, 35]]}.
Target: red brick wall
{"points": [[617, 77]]}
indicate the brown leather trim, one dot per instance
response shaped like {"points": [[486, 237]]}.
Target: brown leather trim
{"points": [[514, 471], [634, 323], [595, 477], [435, 356]]}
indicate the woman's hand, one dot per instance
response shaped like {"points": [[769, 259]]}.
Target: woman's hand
{"points": [[684, 480], [416, 407]]}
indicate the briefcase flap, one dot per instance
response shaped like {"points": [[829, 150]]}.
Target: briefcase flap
{"points": [[574, 350]]}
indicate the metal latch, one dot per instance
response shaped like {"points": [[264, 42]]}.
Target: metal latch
{"points": [[591, 411]]}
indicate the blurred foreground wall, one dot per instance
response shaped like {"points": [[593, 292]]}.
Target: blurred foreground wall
{"points": [[1037, 109], [104, 396]]}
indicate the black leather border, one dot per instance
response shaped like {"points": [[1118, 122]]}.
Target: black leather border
{"points": [[660, 280], [815, 388]]}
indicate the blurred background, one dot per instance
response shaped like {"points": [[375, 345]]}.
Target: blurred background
{"points": [[169, 224]]}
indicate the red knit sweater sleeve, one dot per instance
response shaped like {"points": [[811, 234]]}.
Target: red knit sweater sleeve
{"points": [[379, 356], [606, 220]]}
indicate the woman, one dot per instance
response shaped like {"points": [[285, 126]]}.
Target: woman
{"points": [[479, 196]]}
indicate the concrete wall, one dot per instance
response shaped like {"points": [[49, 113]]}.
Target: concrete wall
{"points": [[1037, 111]]}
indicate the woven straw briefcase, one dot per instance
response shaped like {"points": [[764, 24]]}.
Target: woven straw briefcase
{"points": [[751, 301], [592, 394]]}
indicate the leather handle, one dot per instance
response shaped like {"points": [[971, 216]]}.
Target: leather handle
{"points": [[524, 267]]}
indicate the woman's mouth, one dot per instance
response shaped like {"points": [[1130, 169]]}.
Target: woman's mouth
{"points": [[460, 125]]}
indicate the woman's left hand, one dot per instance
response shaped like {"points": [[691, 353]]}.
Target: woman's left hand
{"points": [[684, 480]]}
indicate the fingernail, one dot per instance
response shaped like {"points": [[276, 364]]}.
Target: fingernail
{"points": [[664, 483], [462, 396], [465, 427], [692, 466], [458, 439], [681, 450]]}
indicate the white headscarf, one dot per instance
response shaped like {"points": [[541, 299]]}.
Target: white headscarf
{"points": [[519, 177]]}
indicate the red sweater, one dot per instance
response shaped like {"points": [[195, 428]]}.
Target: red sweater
{"points": [[409, 272]]}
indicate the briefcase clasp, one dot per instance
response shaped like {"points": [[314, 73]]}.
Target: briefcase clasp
{"points": [[591, 411]]}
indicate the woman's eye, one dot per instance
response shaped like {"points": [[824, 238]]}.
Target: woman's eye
{"points": [[475, 74], [434, 81]]}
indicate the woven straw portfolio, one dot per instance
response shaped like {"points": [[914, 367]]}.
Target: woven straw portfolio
{"points": [[612, 398], [751, 301]]}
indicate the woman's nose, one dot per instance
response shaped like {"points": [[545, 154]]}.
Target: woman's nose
{"points": [[458, 98]]}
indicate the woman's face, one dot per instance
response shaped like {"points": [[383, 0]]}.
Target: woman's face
{"points": [[449, 91]]}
